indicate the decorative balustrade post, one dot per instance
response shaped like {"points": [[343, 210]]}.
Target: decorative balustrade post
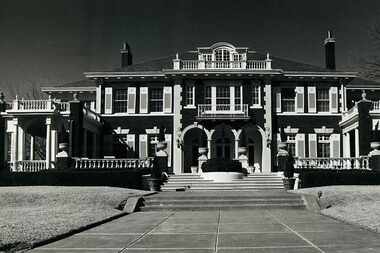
{"points": [[374, 156], [202, 158], [63, 159], [3, 107]]}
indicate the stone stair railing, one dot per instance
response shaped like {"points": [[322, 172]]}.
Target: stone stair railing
{"points": [[333, 163], [112, 163]]}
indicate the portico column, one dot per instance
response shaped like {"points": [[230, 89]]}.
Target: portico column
{"points": [[209, 148], [267, 134], [346, 145], [177, 126], [236, 148], [356, 142], [21, 144], [54, 147], [14, 143], [48, 142], [31, 147]]}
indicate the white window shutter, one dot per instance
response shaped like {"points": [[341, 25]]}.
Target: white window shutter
{"points": [[299, 99], [143, 99], [312, 145], [335, 145], [168, 140], [131, 100], [131, 141], [333, 99], [108, 100], [300, 145], [278, 100], [312, 99], [143, 146], [167, 99]]}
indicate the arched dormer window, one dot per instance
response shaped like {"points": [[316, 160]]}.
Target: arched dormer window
{"points": [[222, 54]]}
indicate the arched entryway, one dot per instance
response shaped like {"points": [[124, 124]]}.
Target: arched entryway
{"points": [[192, 141], [222, 143], [251, 138]]}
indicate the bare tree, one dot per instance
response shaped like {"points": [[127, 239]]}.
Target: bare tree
{"points": [[371, 68]]}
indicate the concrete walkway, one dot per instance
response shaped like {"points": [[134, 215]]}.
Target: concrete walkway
{"points": [[261, 231]]}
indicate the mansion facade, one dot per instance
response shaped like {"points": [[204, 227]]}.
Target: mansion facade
{"points": [[221, 97]]}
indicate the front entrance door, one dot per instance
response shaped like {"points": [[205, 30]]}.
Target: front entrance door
{"points": [[251, 154], [223, 148]]}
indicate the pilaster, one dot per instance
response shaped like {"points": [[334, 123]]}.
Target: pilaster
{"points": [[267, 154], [177, 127]]}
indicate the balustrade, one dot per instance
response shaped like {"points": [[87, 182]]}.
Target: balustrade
{"points": [[223, 111], [29, 166], [333, 163], [251, 64], [82, 163]]}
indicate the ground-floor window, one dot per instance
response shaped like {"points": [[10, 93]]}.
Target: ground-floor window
{"points": [[323, 145], [291, 144]]}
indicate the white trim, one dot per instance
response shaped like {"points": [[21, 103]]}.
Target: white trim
{"points": [[108, 99], [311, 114], [313, 138], [300, 98], [334, 91], [131, 94], [190, 107], [323, 130], [98, 99], [167, 98], [120, 130], [311, 90], [334, 138], [144, 91], [143, 138], [289, 130], [123, 114], [131, 140], [300, 140], [153, 130]]}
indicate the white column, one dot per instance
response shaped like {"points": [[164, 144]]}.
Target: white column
{"points": [[31, 147], [14, 143], [346, 145], [209, 148], [213, 98], [54, 146], [21, 144], [267, 152], [177, 126], [232, 97], [356, 142], [236, 148], [48, 142]]}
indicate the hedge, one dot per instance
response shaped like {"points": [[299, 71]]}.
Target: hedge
{"points": [[83, 177], [324, 177]]}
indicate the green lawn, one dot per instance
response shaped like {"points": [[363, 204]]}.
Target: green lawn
{"points": [[33, 213], [354, 204]]}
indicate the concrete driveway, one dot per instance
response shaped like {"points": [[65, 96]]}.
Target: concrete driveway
{"points": [[230, 231]]}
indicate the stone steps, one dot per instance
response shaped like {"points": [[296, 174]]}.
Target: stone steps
{"points": [[222, 199]]}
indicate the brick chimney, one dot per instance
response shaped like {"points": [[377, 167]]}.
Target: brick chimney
{"points": [[330, 51], [126, 55]]}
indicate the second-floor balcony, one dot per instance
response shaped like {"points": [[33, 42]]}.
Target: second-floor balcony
{"points": [[222, 111], [38, 106]]}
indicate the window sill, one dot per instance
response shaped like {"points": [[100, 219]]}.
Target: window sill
{"points": [[255, 107], [190, 107], [137, 114], [311, 113]]}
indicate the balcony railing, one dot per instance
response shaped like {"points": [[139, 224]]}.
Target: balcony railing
{"points": [[199, 64], [333, 163], [28, 166], [41, 105], [375, 106], [112, 163], [223, 111]]}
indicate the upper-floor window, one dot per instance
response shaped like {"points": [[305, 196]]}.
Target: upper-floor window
{"points": [[323, 145], [288, 97], [255, 95], [222, 55], [156, 99], [120, 101], [323, 104], [189, 95], [223, 95]]}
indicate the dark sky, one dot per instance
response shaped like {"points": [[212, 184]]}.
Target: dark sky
{"points": [[55, 41]]}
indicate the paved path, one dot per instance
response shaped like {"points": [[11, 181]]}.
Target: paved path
{"points": [[261, 231]]}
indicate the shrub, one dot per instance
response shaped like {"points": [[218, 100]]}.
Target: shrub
{"points": [[220, 165]]}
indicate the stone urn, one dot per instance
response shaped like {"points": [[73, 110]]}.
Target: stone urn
{"points": [[63, 160], [203, 151], [242, 151], [375, 145], [161, 145]]}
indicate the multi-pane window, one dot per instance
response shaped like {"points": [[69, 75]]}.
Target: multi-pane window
{"points": [[323, 145], [189, 95], [222, 55], [120, 100], [255, 95], [208, 95], [288, 97], [291, 144], [237, 97], [222, 96], [323, 100], [156, 99]]}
